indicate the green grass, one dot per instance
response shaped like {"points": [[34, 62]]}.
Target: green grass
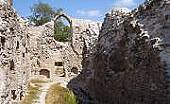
{"points": [[31, 95], [60, 95]]}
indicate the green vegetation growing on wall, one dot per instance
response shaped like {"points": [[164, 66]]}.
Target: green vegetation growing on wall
{"points": [[62, 32]]}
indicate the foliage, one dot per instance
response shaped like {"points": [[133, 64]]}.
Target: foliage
{"points": [[60, 95], [62, 32], [42, 13]]}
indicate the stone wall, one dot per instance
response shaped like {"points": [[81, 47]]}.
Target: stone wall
{"points": [[14, 59], [29, 51], [6, 2], [130, 63], [127, 66], [156, 22], [126, 63], [46, 50]]}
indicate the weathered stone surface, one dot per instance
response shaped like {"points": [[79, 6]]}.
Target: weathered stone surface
{"points": [[127, 65], [28, 51], [14, 67]]}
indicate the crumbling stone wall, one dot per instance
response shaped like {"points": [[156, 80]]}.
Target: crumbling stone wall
{"points": [[6, 2], [127, 66], [156, 23], [130, 62], [13, 56], [26, 50], [47, 50]]}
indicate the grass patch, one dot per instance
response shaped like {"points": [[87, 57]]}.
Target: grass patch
{"points": [[31, 95], [60, 95]]}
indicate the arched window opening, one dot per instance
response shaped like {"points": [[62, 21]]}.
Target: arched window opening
{"points": [[45, 72], [62, 29], [75, 70]]}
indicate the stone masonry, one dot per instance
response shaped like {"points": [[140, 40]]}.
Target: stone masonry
{"points": [[130, 62], [28, 51], [124, 61]]}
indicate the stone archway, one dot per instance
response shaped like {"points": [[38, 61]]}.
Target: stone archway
{"points": [[65, 16], [68, 19], [45, 72]]}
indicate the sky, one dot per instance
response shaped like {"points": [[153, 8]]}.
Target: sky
{"points": [[85, 9]]}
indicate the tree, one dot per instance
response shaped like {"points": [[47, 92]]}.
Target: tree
{"points": [[42, 13]]}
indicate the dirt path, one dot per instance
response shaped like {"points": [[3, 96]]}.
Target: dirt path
{"points": [[43, 93]]}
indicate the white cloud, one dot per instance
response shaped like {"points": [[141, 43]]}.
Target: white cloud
{"points": [[125, 5], [122, 8], [89, 13]]}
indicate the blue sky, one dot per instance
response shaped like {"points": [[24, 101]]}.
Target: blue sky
{"points": [[85, 9]]}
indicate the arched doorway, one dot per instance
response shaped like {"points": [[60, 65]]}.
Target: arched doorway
{"points": [[62, 28], [45, 72]]}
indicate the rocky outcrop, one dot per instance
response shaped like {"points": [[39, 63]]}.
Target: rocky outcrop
{"points": [[155, 17], [127, 65]]}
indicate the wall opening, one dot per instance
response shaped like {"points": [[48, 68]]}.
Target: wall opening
{"points": [[14, 96], [38, 63], [62, 28], [17, 47], [58, 63], [45, 72], [75, 70], [3, 41], [23, 54], [12, 65]]}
